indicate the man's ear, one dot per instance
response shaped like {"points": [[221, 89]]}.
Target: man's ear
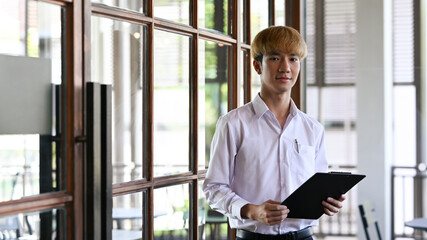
{"points": [[257, 66]]}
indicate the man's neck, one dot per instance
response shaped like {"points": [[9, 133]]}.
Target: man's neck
{"points": [[279, 105]]}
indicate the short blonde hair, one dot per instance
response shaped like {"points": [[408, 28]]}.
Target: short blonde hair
{"points": [[278, 38]]}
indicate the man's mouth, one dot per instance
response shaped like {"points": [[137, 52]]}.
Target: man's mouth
{"points": [[284, 78]]}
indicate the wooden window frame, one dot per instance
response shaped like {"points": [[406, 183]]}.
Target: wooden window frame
{"points": [[78, 73]]}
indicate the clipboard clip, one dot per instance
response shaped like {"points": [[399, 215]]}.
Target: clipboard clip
{"points": [[335, 172]]}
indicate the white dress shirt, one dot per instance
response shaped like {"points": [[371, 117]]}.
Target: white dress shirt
{"points": [[254, 159]]}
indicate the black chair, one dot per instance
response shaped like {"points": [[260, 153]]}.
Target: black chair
{"points": [[369, 220]]}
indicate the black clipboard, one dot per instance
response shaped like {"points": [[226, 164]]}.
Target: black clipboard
{"points": [[306, 201]]}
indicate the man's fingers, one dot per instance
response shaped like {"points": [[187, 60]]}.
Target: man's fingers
{"points": [[329, 208], [275, 207], [275, 219], [335, 203], [273, 202]]}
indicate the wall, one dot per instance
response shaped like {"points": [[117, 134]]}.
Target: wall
{"points": [[374, 107]]}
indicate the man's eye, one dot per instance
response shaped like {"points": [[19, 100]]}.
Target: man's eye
{"points": [[274, 58], [294, 59]]}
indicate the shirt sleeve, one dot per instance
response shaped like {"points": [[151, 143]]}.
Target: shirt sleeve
{"points": [[217, 185]]}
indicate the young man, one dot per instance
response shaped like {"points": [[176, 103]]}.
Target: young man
{"points": [[263, 151]]}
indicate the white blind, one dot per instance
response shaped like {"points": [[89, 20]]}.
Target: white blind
{"points": [[403, 41], [340, 45], [311, 40]]}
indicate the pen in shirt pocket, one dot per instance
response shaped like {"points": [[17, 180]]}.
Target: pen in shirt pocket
{"points": [[297, 143]]}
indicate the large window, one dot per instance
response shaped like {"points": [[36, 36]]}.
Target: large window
{"points": [[331, 98], [170, 67], [409, 171], [175, 67], [331, 93], [32, 123]]}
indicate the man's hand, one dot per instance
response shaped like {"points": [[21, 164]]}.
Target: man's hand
{"points": [[332, 206], [270, 212]]}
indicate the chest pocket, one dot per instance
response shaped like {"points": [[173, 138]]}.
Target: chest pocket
{"points": [[303, 162]]}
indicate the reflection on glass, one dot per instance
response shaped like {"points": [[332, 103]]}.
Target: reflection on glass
{"points": [[34, 225], [213, 14], [172, 211], [128, 212], [259, 16], [213, 78], [117, 59], [173, 10], [404, 126], [171, 103], [212, 224], [279, 12], [31, 61], [125, 4]]}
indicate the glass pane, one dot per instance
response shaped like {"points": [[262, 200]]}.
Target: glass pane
{"points": [[128, 212], [259, 16], [213, 14], [171, 103], [338, 115], [213, 79], [280, 12], [31, 63], [137, 6], [404, 126], [212, 224], [173, 10], [173, 206], [313, 102], [34, 225], [404, 197], [255, 83], [117, 59], [243, 15], [242, 77]]}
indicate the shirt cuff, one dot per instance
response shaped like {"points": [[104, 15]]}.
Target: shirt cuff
{"points": [[237, 206]]}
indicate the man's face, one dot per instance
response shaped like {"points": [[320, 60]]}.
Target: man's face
{"points": [[278, 71]]}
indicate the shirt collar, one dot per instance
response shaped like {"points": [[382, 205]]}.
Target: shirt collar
{"points": [[260, 107]]}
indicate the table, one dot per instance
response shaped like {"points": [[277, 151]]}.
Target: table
{"points": [[119, 234], [120, 214], [215, 219], [417, 223]]}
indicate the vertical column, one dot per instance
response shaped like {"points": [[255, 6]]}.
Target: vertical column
{"points": [[374, 107], [423, 86], [98, 167], [293, 13], [122, 99], [93, 163], [106, 167]]}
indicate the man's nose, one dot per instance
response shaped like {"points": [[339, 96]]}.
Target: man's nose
{"points": [[284, 66]]}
